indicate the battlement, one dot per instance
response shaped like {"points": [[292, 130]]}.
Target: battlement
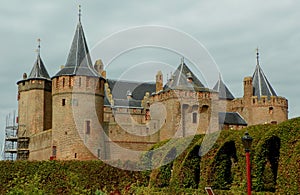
{"points": [[272, 101], [31, 84], [262, 101], [64, 84], [171, 94]]}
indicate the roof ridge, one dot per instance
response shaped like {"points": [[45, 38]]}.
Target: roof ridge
{"points": [[130, 81]]}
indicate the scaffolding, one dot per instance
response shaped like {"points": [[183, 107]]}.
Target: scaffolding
{"points": [[11, 137]]}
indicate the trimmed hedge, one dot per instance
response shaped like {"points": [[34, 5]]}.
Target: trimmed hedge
{"points": [[65, 177], [275, 158]]}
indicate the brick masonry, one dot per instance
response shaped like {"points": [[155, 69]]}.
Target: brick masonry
{"points": [[66, 118]]}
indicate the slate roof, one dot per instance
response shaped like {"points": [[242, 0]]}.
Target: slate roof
{"points": [[120, 90], [223, 90], [79, 60], [127, 103], [261, 85], [39, 70], [231, 118], [179, 79]]}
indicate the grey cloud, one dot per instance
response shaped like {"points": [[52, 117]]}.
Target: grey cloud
{"points": [[230, 30]]}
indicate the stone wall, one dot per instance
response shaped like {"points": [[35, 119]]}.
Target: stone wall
{"points": [[263, 110], [40, 146]]}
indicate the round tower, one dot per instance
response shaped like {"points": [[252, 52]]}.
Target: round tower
{"points": [[34, 106], [78, 101]]}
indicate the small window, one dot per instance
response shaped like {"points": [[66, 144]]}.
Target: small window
{"points": [[194, 117], [274, 122], [99, 153], [63, 82], [53, 150], [88, 127], [75, 155], [79, 82], [63, 102], [271, 109]]}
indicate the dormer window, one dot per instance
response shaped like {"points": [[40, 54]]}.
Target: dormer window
{"points": [[129, 95], [189, 77]]}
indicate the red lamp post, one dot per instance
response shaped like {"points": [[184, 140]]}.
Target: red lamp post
{"points": [[247, 141]]}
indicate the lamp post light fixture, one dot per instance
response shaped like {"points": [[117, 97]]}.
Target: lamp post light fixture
{"points": [[247, 141]]}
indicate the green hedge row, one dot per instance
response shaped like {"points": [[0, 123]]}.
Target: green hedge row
{"points": [[275, 158], [65, 177]]}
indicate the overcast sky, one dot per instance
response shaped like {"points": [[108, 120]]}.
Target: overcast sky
{"points": [[230, 30]]}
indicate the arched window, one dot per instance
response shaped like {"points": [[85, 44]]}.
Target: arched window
{"points": [[271, 110]]}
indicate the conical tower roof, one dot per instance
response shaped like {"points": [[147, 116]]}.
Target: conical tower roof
{"points": [[38, 71], [79, 60], [179, 80], [224, 92], [261, 85]]}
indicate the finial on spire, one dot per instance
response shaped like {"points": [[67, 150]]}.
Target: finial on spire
{"points": [[38, 50], [79, 13], [257, 56]]}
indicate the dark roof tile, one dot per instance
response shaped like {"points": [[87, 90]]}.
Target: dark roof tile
{"points": [[119, 89], [79, 60], [231, 118], [38, 71], [261, 85], [179, 79], [223, 90]]}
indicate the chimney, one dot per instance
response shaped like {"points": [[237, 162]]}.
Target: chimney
{"points": [[159, 81], [248, 87]]}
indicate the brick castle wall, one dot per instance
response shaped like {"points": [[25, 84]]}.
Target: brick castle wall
{"points": [[77, 104]]}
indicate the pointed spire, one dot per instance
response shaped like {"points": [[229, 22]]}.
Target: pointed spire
{"points": [[39, 71], [224, 92], [261, 85], [79, 60]]}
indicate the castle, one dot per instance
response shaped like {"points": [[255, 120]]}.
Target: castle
{"points": [[80, 114]]}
